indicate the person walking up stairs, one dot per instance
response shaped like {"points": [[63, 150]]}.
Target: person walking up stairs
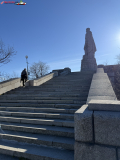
{"points": [[24, 76]]}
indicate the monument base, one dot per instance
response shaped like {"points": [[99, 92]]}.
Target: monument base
{"points": [[88, 64]]}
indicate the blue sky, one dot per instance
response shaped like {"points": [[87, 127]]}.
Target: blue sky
{"points": [[53, 31]]}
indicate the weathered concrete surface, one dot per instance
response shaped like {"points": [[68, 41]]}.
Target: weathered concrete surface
{"points": [[83, 124], [105, 105], [107, 127], [93, 152]]}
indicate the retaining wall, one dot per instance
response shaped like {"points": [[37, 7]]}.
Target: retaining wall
{"points": [[9, 85], [97, 123], [43, 79]]}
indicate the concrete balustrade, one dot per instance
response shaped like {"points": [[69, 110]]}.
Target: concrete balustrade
{"points": [[9, 85], [15, 83], [97, 123], [64, 71], [43, 79]]}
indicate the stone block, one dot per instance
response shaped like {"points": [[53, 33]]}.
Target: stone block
{"points": [[83, 124], [101, 98], [43, 79], [93, 152], [104, 105], [107, 127], [102, 92]]}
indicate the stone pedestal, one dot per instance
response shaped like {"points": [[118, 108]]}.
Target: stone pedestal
{"points": [[88, 64]]}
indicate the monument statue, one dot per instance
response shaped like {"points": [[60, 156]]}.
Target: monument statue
{"points": [[89, 62], [89, 46]]}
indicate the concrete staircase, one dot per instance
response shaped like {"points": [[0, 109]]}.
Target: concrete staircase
{"points": [[37, 122]]}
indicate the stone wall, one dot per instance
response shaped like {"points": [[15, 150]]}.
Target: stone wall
{"points": [[97, 123], [111, 71]]}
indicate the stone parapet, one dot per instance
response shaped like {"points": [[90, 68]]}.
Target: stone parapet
{"points": [[104, 105], [101, 87], [97, 129], [107, 128], [83, 124], [84, 151], [64, 71], [43, 79], [9, 85], [96, 134]]}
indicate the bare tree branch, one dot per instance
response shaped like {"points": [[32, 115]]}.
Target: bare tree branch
{"points": [[39, 69], [105, 63], [5, 54], [6, 76]]}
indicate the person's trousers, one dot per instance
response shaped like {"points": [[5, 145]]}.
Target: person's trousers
{"points": [[24, 80]]}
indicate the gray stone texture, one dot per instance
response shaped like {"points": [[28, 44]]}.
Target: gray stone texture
{"points": [[93, 152], [118, 153], [43, 79], [9, 85], [104, 105], [107, 127], [83, 124], [88, 64], [101, 88]]}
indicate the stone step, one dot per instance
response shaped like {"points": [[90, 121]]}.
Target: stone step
{"points": [[53, 87], [22, 97], [39, 129], [68, 79], [34, 152], [43, 92], [61, 106], [42, 121], [75, 75], [74, 78], [24, 89], [37, 122], [38, 115], [57, 85], [39, 139], [49, 95], [68, 83], [38, 110], [43, 101], [7, 157], [58, 96], [50, 90]]}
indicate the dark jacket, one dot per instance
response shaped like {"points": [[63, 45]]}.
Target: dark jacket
{"points": [[24, 75]]}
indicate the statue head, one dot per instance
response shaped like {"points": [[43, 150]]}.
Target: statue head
{"points": [[87, 29]]}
